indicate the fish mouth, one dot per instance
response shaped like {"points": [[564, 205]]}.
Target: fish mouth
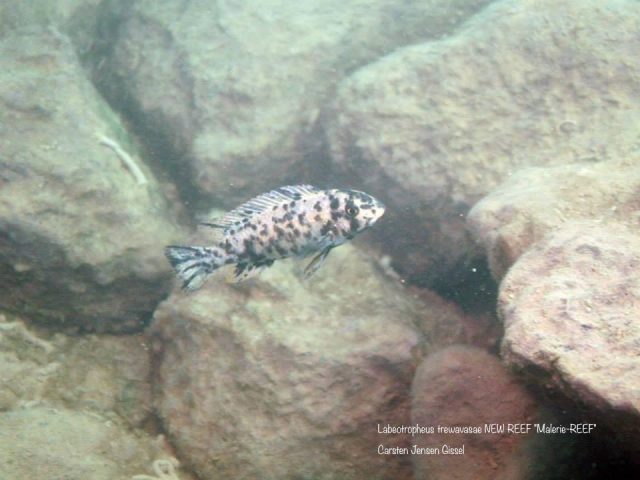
{"points": [[372, 221]]}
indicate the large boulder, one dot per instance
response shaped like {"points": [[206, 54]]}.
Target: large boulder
{"points": [[283, 379], [536, 201], [462, 386], [571, 312], [231, 92], [563, 241], [438, 125], [83, 223]]}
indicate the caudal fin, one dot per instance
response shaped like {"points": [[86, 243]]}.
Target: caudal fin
{"points": [[193, 264]]}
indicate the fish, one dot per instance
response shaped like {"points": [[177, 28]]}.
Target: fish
{"points": [[290, 221]]}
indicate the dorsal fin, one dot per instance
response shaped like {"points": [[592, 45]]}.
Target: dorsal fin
{"points": [[259, 204]]}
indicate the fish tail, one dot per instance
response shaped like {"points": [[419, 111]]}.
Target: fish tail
{"points": [[194, 264]]}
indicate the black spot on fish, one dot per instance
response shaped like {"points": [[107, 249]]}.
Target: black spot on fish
{"points": [[281, 250], [264, 232], [286, 207], [335, 204], [301, 219], [317, 206], [317, 218], [326, 228], [290, 225], [248, 246], [354, 225], [296, 232], [335, 216], [279, 231], [297, 196], [253, 226], [373, 211], [275, 207], [258, 259], [292, 204], [307, 234]]}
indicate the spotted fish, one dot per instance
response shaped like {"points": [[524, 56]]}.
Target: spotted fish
{"points": [[291, 221]]}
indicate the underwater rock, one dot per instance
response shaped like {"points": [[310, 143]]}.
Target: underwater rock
{"points": [[466, 386], [76, 18], [106, 375], [438, 125], [231, 92], [571, 312], [535, 201], [43, 443], [277, 378], [82, 223]]}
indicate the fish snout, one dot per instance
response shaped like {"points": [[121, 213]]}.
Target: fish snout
{"points": [[379, 209]]}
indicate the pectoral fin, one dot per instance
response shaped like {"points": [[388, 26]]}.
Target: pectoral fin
{"points": [[315, 264]]}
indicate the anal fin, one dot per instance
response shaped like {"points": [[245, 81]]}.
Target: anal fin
{"points": [[246, 270]]}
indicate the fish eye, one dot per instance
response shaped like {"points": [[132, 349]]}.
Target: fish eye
{"points": [[352, 210]]}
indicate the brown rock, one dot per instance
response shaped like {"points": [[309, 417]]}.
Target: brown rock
{"points": [[571, 310], [465, 386], [438, 125], [537, 201], [283, 379]]}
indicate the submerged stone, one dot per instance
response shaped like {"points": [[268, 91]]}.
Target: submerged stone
{"points": [[282, 378]]}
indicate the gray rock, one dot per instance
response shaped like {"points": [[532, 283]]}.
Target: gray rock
{"points": [[76, 18], [105, 375], [81, 243], [438, 125], [43, 443], [238, 87], [571, 310], [283, 379], [537, 201]]}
